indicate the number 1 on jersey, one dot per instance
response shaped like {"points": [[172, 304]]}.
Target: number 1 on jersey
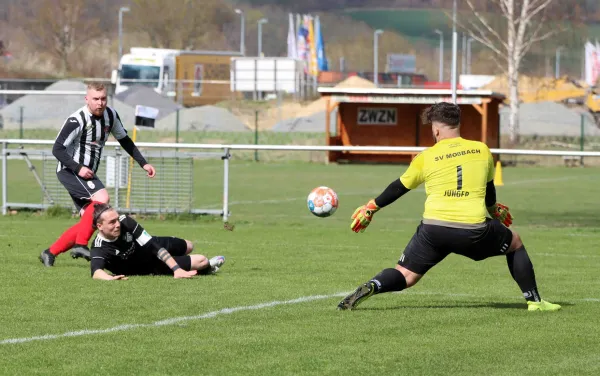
{"points": [[459, 177]]}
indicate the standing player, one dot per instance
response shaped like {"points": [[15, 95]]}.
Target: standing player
{"points": [[459, 184], [124, 248], [78, 149]]}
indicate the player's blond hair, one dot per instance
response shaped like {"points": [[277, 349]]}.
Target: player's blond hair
{"points": [[98, 86]]}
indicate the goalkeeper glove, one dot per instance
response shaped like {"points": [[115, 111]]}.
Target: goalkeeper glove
{"points": [[501, 213], [363, 215]]}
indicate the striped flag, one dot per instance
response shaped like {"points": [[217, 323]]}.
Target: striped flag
{"points": [[313, 69], [597, 63], [592, 63], [303, 42]]}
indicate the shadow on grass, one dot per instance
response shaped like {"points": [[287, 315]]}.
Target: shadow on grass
{"points": [[517, 306]]}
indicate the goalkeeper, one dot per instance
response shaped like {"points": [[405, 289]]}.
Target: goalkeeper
{"points": [[458, 176]]}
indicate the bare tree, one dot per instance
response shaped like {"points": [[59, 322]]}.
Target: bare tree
{"points": [[182, 24], [60, 27], [525, 25]]}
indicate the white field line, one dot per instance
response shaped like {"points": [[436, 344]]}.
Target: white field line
{"points": [[373, 192], [170, 321], [226, 311]]}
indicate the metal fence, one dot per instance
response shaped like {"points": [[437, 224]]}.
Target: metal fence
{"points": [[172, 193]]}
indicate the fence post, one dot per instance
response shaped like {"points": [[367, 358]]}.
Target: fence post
{"points": [[225, 158], [255, 135], [4, 178], [118, 173], [582, 138], [177, 127], [21, 122]]}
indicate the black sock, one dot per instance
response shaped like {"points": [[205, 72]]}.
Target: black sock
{"points": [[205, 271], [389, 280], [521, 269]]}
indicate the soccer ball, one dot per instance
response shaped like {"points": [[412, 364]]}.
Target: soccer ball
{"points": [[322, 201]]}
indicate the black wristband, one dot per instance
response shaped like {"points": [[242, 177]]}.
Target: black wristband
{"points": [[175, 267]]}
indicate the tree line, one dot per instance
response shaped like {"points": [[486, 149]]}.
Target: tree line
{"points": [[79, 37]]}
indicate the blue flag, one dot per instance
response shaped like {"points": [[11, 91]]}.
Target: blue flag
{"points": [[321, 58]]}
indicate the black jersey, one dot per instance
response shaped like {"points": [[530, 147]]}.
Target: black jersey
{"points": [[124, 254]]}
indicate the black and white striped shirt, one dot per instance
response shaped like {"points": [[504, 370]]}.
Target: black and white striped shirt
{"points": [[83, 136]]}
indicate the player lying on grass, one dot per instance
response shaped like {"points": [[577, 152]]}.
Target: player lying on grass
{"points": [[458, 176], [124, 248]]}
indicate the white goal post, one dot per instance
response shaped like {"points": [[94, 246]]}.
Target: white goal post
{"points": [[10, 149]]}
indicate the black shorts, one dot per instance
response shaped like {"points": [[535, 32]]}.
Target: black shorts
{"points": [[152, 265], [432, 243], [81, 190]]}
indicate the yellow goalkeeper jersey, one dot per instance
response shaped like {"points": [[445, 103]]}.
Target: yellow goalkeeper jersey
{"points": [[455, 172]]}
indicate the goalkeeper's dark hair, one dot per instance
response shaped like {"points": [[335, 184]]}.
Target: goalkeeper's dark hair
{"points": [[443, 112], [99, 209]]}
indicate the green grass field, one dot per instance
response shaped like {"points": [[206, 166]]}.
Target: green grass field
{"points": [[271, 309]]}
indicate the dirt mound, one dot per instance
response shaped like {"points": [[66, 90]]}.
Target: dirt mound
{"points": [[319, 105], [286, 112], [357, 82], [529, 84], [268, 117], [500, 84]]}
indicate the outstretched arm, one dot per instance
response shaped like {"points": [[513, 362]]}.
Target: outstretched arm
{"points": [[363, 215], [411, 179], [104, 276], [118, 130], [98, 263], [393, 192], [131, 149]]}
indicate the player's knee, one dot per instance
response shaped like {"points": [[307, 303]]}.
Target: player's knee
{"points": [[411, 277], [101, 197], [516, 242], [190, 247], [199, 262]]}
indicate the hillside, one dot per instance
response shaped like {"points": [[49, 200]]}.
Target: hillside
{"points": [[420, 23], [31, 33], [589, 9], [417, 26]]}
